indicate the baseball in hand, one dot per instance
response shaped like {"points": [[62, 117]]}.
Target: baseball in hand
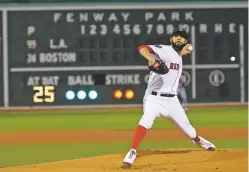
{"points": [[190, 48]]}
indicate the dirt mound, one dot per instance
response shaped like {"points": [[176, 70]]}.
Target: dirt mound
{"points": [[171, 160]]}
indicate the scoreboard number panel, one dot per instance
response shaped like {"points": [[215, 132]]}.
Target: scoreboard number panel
{"points": [[77, 56], [78, 88], [44, 94], [111, 37]]}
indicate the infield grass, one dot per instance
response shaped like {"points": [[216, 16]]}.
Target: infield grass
{"points": [[94, 120]]}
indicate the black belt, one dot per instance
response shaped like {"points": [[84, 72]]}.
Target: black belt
{"points": [[163, 94]]}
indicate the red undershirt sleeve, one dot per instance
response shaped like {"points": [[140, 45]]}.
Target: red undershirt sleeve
{"points": [[147, 47]]}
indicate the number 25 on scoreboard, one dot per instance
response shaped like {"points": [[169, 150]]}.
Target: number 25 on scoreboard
{"points": [[43, 94]]}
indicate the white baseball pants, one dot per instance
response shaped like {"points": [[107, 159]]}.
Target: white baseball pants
{"points": [[169, 107]]}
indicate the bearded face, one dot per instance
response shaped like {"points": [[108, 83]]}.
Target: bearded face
{"points": [[178, 41]]}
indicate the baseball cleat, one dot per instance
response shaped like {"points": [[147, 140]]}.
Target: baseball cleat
{"points": [[205, 144], [130, 157]]}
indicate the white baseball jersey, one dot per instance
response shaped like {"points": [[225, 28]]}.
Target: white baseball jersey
{"points": [[167, 83]]}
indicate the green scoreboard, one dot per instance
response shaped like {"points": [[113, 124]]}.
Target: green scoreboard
{"points": [[87, 55]]}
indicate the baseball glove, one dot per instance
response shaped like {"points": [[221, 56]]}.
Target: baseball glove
{"points": [[159, 67]]}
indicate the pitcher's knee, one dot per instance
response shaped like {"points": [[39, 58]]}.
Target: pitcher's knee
{"points": [[146, 122]]}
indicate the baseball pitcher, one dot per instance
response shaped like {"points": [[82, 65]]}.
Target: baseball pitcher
{"points": [[160, 99], [181, 92]]}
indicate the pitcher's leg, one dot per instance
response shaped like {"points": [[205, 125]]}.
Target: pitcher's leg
{"points": [[145, 123], [179, 117]]}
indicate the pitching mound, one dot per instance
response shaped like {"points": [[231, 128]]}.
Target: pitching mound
{"points": [[182, 160]]}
